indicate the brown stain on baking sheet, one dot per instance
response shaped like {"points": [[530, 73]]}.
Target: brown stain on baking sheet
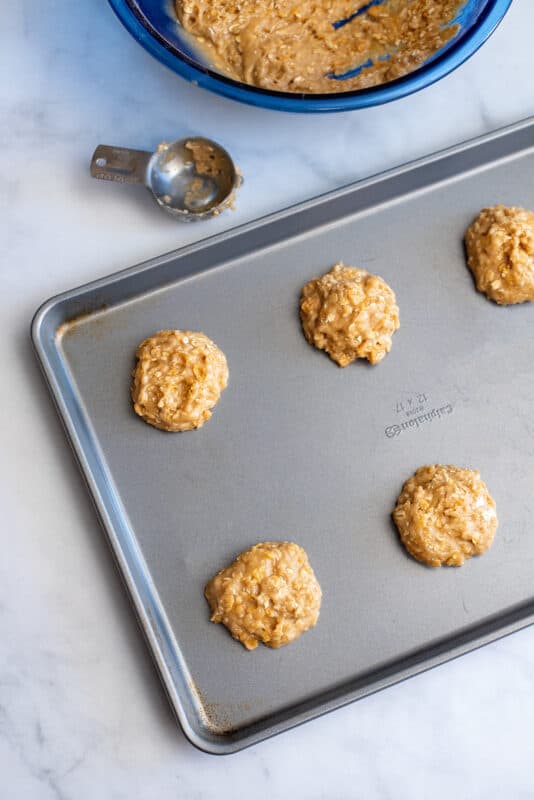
{"points": [[218, 717], [74, 324]]}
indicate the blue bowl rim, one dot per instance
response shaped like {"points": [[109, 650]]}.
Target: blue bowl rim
{"points": [[465, 46]]}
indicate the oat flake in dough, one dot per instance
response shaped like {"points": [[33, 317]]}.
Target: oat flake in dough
{"points": [[178, 379], [294, 46], [500, 253], [349, 313], [268, 594], [445, 515]]}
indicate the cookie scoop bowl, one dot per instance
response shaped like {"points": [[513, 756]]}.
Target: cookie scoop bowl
{"points": [[153, 24]]}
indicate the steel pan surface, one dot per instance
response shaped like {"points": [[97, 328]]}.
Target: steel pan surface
{"points": [[299, 449]]}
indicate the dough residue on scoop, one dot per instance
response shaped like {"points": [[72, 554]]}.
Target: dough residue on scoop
{"points": [[349, 313], [500, 253], [177, 380], [445, 515], [268, 594]]}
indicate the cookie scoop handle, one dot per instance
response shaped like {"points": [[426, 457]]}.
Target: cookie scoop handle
{"points": [[119, 164]]}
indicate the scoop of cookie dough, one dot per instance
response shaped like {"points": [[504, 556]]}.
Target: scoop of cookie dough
{"points": [[444, 515], [349, 313], [178, 379], [500, 253], [268, 594]]}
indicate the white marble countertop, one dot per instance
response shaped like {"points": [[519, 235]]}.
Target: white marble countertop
{"points": [[81, 711]]}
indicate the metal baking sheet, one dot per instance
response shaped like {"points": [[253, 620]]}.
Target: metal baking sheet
{"points": [[299, 449]]}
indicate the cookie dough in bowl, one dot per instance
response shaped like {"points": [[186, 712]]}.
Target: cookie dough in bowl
{"points": [[500, 253], [268, 594], [445, 515], [178, 379], [349, 313], [318, 46]]}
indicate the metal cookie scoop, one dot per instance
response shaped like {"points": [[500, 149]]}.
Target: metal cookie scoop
{"points": [[190, 178]]}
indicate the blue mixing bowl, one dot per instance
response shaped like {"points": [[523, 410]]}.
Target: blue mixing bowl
{"points": [[154, 25]]}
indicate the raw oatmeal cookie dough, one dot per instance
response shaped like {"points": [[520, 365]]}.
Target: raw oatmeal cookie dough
{"points": [[349, 313], [445, 515], [303, 46], [268, 594], [500, 253], [178, 379]]}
